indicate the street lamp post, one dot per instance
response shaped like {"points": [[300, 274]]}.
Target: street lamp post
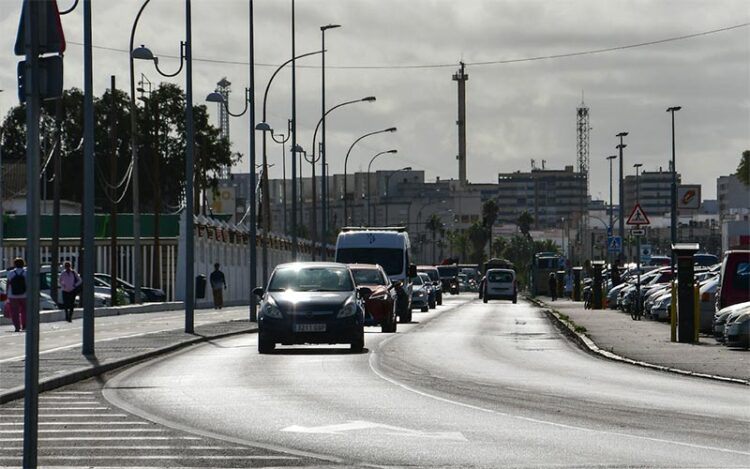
{"points": [[369, 195], [621, 191], [673, 190], [346, 160], [324, 172], [219, 98], [282, 139], [611, 215], [135, 174], [387, 193], [264, 127], [637, 167], [187, 61], [323, 181]]}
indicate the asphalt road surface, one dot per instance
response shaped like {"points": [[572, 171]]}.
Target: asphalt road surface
{"points": [[466, 385]]}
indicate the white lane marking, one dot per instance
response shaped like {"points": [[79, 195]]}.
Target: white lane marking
{"points": [[14, 424], [371, 362], [364, 425], [134, 447], [109, 438], [158, 458], [71, 415], [41, 408], [73, 392], [92, 430]]}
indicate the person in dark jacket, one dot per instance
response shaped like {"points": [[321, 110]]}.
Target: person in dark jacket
{"points": [[552, 286], [218, 285]]}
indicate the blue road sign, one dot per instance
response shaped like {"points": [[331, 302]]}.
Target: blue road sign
{"points": [[614, 244]]}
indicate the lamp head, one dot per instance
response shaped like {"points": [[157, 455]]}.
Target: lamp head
{"points": [[369, 99], [612, 157], [637, 165], [622, 134], [142, 53], [408, 168], [392, 151], [298, 149], [329, 26], [263, 127], [674, 108], [390, 129], [215, 98]]}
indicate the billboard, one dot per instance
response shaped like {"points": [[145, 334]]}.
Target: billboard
{"points": [[689, 196]]}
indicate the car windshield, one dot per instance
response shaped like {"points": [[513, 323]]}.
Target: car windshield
{"points": [[448, 271], [417, 280], [390, 259], [433, 274], [425, 278], [368, 277], [500, 277], [311, 279]]}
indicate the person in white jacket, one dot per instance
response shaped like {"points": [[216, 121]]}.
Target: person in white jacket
{"points": [[16, 290]]}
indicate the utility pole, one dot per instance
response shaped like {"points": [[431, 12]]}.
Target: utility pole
{"points": [[113, 191], [55, 248], [461, 78]]}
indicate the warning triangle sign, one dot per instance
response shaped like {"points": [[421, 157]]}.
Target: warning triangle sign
{"points": [[638, 216]]}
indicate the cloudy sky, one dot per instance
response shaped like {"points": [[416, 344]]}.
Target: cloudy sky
{"points": [[406, 51]]}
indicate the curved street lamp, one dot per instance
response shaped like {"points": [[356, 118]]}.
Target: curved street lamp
{"points": [[324, 183], [186, 60], [264, 127], [369, 194], [346, 160]]}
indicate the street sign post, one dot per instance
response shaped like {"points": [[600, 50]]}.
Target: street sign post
{"points": [[614, 244], [638, 216]]}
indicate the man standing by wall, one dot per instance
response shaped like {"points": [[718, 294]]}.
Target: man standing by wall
{"points": [[69, 283], [218, 285]]}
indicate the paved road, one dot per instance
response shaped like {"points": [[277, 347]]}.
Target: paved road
{"points": [[470, 385]]}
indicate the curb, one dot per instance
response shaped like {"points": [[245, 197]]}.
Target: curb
{"points": [[589, 345], [81, 374]]}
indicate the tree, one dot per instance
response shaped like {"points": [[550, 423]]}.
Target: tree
{"points": [[499, 246], [433, 225], [477, 234], [166, 143], [459, 243], [489, 215], [524, 223], [743, 169]]}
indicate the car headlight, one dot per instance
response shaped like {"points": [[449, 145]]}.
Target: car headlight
{"points": [[420, 293], [271, 310], [380, 296], [349, 309]]}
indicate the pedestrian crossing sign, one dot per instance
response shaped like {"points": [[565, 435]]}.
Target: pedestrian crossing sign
{"points": [[614, 244], [638, 216]]}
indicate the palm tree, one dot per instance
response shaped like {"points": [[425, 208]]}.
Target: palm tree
{"points": [[489, 215], [433, 225], [524, 223]]}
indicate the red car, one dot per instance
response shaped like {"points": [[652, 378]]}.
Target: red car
{"points": [[380, 304]]}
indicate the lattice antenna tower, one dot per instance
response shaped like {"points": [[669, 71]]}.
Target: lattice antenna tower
{"points": [[223, 87], [582, 151]]}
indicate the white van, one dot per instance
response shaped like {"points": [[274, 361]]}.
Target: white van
{"points": [[388, 247]]}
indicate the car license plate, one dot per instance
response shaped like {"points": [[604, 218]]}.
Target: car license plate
{"points": [[309, 328]]}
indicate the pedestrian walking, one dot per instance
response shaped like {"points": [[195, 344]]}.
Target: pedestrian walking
{"points": [[70, 283], [17, 294], [218, 285], [552, 286]]}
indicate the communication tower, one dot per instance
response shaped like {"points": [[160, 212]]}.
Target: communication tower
{"points": [[223, 88]]}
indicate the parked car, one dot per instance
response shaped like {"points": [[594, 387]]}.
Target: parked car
{"points": [[311, 303], [380, 304], [707, 298], [420, 294], [500, 284], [661, 308], [737, 332], [658, 260], [434, 275], [735, 279], [431, 293], [101, 297], [45, 302], [705, 259], [722, 317], [148, 294]]}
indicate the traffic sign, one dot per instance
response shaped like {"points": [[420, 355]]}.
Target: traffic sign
{"points": [[638, 216], [49, 31], [638, 232], [614, 244], [645, 253]]}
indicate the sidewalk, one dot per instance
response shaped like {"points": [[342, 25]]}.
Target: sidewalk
{"points": [[615, 335], [67, 366]]}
